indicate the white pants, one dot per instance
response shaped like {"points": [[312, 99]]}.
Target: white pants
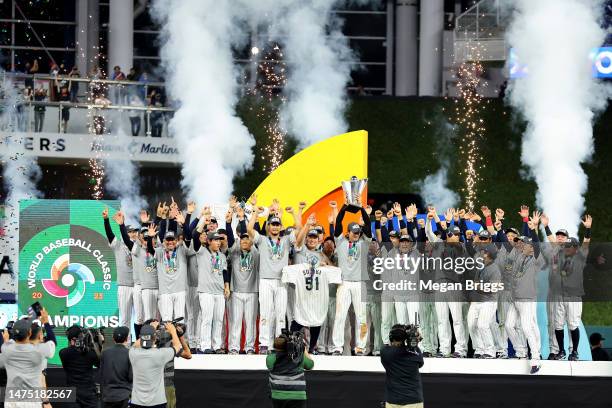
{"points": [[243, 306], [125, 298], [525, 312], [350, 293], [387, 314], [149, 303], [290, 303], [500, 336], [325, 343], [428, 324], [570, 313], [481, 324], [407, 312], [272, 310], [138, 306], [194, 318], [444, 329], [213, 309], [172, 305]]}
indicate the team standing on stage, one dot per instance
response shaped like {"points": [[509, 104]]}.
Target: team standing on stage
{"points": [[180, 265]]}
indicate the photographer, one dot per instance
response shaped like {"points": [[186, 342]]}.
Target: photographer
{"points": [[25, 361], [286, 365], [148, 364], [116, 371], [79, 360], [402, 360]]}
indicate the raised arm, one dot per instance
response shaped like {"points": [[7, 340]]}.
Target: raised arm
{"points": [[107, 228], [339, 218], [254, 217], [365, 214]]}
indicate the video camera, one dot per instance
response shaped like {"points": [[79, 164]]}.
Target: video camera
{"points": [[163, 338], [408, 333], [295, 344], [89, 338]]}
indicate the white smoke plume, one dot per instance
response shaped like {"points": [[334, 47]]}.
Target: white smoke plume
{"points": [[434, 190], [123, 180], [197, 38], [19, 173], [558, 98]]}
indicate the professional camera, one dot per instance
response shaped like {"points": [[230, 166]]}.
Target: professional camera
{"points": [[9, 328], [295, 344], [163, 338], [89, 338], [408, 333]]}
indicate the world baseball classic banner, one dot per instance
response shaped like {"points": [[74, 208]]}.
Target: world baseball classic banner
{"points": [[66, 264]]}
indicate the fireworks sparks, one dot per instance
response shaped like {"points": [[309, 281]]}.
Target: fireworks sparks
{"points": [[97, 129], [468, 117], [271, 78]]}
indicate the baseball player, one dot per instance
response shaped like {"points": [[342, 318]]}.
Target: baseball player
{"points": [[171, 261], [273, 257], [406, 303], [570, 269], [213, 289], [373, 306], [148, 281], [244, 266], [481, 314], [192, 303], [448, 301], [325, 344], [125, 279], [352, 259], [311, 281], [130, 238], [524, 294]]}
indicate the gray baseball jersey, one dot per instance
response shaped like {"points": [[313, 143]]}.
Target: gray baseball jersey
{"points": [[570, 272], [210, 271], [304, 255], [244, 267], [273, 254], [311, 291], [489, 274], [123, 258], [148, 277], [192, 270], [171, 269], [525, 282], [353, 258]]}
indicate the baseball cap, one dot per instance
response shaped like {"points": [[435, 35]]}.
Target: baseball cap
{"points": [[354, 228], [213, 221], [394, 234], [144, 230], [527, 240], [169, 236], [222, 231], [454, 230], [131, 228], [405, 238], [484, 234], [319, 229], [491, 250], [288, 230], [313, 233], [513, 230], [120, 334], [73, 332], [329, 238], [213, 235], [595, 338], [274, 220], [562, 232], [21, 328], [147, 336], [572, 242], [244, 235]]}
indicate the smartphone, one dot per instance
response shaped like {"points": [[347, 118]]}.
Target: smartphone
{"points": [[34, 311]]}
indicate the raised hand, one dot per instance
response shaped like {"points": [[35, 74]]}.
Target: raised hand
{"points": [[274, 206], [397, 209], [173, 212], [180, 218], [524, 212], [485, 211], [330, 218], [475, 217], [378, 215], [448, 215], [535, 217], [544, 219], [119, 218], [312, 220], [499, 214], [144, 217], [160, 209], [302, 205], [289, 210], [462, 214], [497, 225], [191, 207], [173, 204], [368, 209], [166, 210], [383, 221], [228, 215], [587, 221], [253, 200], [240, 212], [152, 230], [233, 202], [421, 223], [205, 212], [390, 213], [105, 213]]}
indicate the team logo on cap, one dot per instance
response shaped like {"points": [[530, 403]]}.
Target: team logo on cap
{"points": [[68, 280]]}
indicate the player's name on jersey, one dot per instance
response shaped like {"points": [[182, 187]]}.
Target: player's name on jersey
{"points": [[441, 287]]}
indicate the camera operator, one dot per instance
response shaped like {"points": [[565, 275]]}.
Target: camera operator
{"points": [[165, 340], [116, 371], [79, 363], [286, 365], [148, 362], [402, 360], [25, 361]]}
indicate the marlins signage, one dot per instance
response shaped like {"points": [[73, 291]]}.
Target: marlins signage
{"points": [[66, 264], [77, 146]]}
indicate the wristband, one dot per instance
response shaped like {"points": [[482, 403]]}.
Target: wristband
{"points": [[587, 233], [547, 230], [525, 219], [489, 221]]}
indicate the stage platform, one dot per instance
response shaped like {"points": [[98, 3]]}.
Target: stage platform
{"points": [[358, 382]]}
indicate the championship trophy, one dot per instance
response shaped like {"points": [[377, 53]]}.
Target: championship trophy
{"points": [[352, 193]]}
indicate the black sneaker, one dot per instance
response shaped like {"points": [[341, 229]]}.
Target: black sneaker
{"points": [[477, 356], [552, 356], [457, 355], [209, 351], [573, 356], [535, 368], [337, 353], [487, 357], [425, 354], [560, 355], [501, 355]]}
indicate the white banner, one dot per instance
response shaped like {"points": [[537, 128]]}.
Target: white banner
{"points": [[86, 146]]}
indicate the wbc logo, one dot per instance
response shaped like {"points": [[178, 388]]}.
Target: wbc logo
{"points": [[72, 277]]}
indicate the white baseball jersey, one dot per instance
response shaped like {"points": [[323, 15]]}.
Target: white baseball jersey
{"points": [[311, 291]]}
